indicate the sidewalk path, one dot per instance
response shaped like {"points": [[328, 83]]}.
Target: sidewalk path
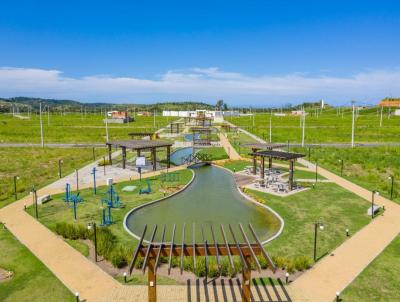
{"points": [[75, 271], [229, 149], [333, 273]]}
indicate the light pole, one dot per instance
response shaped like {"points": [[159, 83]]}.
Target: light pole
{"points": [[391, 177], [341, 166], [316, 171], [372, 203], [77, 180], [60, 161], [352, 127], [317, 225], [94, 179], [90, 226], [34, 195], [16, 177]]}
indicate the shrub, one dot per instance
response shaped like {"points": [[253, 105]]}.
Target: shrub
{"points": [[118, 256], [71, 231], [302, 263]]}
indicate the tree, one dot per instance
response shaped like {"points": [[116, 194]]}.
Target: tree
{"points": [[219, 104]]}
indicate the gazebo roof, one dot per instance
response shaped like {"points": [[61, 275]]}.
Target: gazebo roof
{"points": [[201, 129], [278, 154], [137, 144]]}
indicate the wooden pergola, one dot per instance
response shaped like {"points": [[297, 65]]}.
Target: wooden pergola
{"points": [[246, 250], [261, 146], [281, 155], [204, 137], [229, 127], [138, 146], [203, 121], [140, 135], [176, 127]]}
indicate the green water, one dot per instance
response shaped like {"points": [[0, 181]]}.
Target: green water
{"points": [[212, 198]]}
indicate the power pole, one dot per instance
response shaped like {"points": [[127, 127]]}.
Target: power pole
{"points": [[41, 125], [380, 123], [106, 125], [304, 129], [352, 127], [48, 115], [270, 129]]}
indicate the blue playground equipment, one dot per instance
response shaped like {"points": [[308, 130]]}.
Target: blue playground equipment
{"points": [[170, 177], [147, 190], [106, 219], [67, 197], [112, 199], [74, 199]]}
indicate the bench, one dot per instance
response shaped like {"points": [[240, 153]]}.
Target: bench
{"points": [[43, 199], [376, 209]]}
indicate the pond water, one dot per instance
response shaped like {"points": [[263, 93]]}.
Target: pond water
{"points": [[177, 156], [189, 137], [212, 198]]}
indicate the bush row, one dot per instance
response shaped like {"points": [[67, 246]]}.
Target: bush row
{"points": [[120, 256]]}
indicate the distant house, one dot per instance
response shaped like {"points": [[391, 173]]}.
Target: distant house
{"points": [[145, 113], [298, 112], [390, 103], [118, 117]]}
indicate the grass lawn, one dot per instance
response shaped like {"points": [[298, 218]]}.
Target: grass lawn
{"points": [[37, 166], [369, 167], [214, 153], [73, 128], [380, 280], [328, 203], [327, 126], [236, 165], [32, 281], [79, 246], [57, 211]]}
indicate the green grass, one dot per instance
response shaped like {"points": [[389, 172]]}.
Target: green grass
{"points": [[37, 166], [368, 167], [57, 211], [237, 165], [337, 208], [80, 246], [326, 127], [32, 281], [215, 153], [380, 280], [72, 128], [141, 279]]}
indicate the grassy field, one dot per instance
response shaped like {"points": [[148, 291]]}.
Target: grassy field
{"points": [[32, 281], [328, 203], [328, 126], [214, 153], [57, 211], [368, 167], [72, 128], [380, 280], [37, 166]]}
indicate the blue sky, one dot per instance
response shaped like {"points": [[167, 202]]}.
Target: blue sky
{"points": [[249, 52]]}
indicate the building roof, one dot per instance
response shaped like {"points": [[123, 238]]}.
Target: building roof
{"points": [[137, 144], [278, 154]]}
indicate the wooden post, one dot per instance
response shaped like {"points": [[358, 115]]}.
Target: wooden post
{"points": [[246, 273], [123, 157], [138, 152], [254, 163], [291, 170], [262, 166], [270, 163], [154, 156], [168, 157], [109, 154], [152, 286]]}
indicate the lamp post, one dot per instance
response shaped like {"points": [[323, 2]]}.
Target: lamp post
{"points": [[391, 177], [77, 180], [93, 226], [94, 180], [372, 203], [16, 177], [34, 195], [60, 161], [318, 225], [341, 166], [316, 171]]}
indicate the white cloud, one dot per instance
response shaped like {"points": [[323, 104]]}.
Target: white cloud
{"points": [[203, 84]]}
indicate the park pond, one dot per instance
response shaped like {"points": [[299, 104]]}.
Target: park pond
{"points": [[211, 199]]}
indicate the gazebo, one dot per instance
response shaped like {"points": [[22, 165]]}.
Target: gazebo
{"points": [[140, 145], [229, 127], [272, 154], [203, 121], [201, 135], [176, 127], [261, 146]]}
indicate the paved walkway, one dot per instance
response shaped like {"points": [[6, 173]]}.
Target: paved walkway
{"points": [[75, 271], [333, 273], [229, 149]]}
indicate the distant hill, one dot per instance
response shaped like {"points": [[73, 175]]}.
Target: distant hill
{"points": [[23, 103]]}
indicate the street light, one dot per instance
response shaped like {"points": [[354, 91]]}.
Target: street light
{"points": [[341, 166], [60, 161], [321, 226], [316, 171], [93, 226], [372, 202], [391, 177], [15, 186]]}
